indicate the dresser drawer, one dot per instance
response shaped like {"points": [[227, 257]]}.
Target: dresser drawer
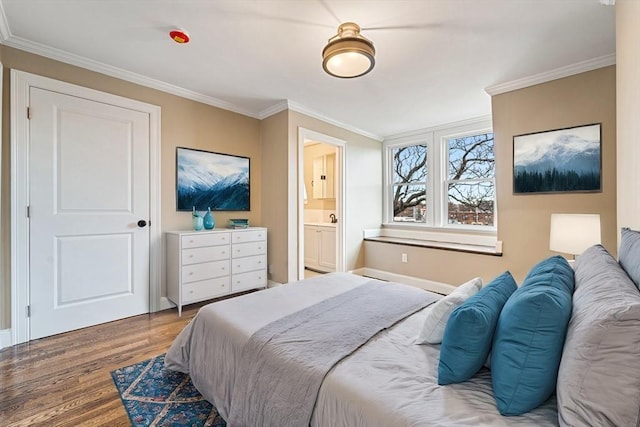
{"points": [[205, 289], [248, 249], [204, 254], [249, 236], [205, 239], [250, 280], [242, 265], [205, 270]]}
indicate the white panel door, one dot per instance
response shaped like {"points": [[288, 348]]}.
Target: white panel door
{"points": [[88, 189]]}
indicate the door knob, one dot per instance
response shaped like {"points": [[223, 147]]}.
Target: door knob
{"points": [[142, 223]]}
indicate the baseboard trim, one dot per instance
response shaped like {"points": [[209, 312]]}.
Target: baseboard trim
{"points": [[429, 285], [165, 303], [272, 284], [5, 338]]}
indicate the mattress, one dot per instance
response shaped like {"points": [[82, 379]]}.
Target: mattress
{"points": [[389, 381]]}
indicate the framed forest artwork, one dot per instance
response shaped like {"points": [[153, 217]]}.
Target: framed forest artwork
{"points": [[558, 161]]}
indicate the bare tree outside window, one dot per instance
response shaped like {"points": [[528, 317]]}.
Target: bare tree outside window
{"points": [[410, 183], [470, 183]]}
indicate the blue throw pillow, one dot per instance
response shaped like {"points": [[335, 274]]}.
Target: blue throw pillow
{"points": [[554, 269], [469, 332], [529, 338]]}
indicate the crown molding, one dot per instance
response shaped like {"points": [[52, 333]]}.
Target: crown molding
{"points": [[294, 106], [274, 109], [304, 110], [558, 73], [119, 73], [8, 39], [419, 133]]}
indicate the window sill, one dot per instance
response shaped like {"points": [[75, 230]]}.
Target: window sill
{"points": [[477, 243]]}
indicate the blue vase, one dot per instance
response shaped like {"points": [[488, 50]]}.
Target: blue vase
{"points": [[197, 222], [208, 220]]}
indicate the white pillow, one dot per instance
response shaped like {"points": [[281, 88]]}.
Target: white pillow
{"points": [[438, 313]]}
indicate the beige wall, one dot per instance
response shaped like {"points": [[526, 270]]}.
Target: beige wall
{"points": [[310, 152], [185, 123], [628, 104], [523, 220], [275, 214]]}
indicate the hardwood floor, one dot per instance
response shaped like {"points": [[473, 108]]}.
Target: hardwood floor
{"points": [[65, 380]]}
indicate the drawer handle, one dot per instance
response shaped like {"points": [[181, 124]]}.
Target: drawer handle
{"points": [[238, 265], [190, 292], [259, 262], [238, 282], [191, 256], [191, 273]]}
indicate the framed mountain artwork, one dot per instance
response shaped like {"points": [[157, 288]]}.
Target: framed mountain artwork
{"points": [[206, 179], [558, 161]]}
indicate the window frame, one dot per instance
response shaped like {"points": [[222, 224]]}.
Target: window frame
{"points": [[444, 180], [436, 226]]}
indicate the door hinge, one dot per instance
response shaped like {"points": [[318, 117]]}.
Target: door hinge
{"points": [[28, 113], [28, 311], [28, 211]]}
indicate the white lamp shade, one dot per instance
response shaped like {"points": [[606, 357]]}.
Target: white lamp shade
{"points": [[574, 233]]}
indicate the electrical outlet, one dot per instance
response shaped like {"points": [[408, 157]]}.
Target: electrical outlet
{"points": [[270, 268], [405, 258]]}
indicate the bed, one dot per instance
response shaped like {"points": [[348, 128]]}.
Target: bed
{"points": [[391, 381]]}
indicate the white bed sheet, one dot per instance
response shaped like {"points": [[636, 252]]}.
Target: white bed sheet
{"points": [[387, 382], [393, 382]]}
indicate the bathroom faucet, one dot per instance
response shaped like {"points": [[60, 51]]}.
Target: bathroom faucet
{"points": [[333, 218]]}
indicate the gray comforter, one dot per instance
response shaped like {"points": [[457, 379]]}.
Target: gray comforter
{"points": [[388, 382], [283, 364]]}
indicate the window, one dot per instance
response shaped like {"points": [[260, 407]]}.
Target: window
{"points": [[410, 183], [469, 183], [442, 178]]}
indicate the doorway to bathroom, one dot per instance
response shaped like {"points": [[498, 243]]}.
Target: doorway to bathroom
{"points": [[321, 204]]}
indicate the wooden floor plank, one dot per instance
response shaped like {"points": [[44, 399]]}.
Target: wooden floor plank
{"points": [[65, 380]]}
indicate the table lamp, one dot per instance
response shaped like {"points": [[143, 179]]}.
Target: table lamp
{"points": [[574, 233]]}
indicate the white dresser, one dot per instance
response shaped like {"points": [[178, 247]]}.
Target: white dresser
{"points": [[207, 264]]}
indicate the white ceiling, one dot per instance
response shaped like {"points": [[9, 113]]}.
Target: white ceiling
{"points": [[434, 59]]}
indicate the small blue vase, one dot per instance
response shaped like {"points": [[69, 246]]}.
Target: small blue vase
{"points": [[197, 222], [208, 220]]}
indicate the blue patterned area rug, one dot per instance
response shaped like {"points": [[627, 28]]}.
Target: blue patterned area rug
{"points": [[155, 396]]}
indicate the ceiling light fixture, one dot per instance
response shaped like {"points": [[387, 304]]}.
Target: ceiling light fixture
{"points": [[348, 54]]}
